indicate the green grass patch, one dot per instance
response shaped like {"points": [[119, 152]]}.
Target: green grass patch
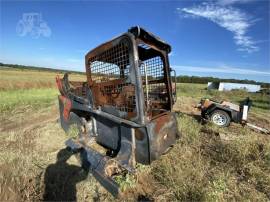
{"points": [[10, 100], [125, 181]]}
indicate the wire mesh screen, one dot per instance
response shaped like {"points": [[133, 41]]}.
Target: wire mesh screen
{"points": [[157, 91], [110, 72], [111, 64]]}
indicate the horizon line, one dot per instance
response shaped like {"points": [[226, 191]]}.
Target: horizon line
{"points": [[196, 69]]}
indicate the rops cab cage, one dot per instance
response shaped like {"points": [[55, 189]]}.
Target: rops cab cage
{"points": [[123, 113]]}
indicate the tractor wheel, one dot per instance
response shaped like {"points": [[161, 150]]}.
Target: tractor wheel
{"points": [[220, 118]]}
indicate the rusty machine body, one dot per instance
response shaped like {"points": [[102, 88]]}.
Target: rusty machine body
{"points": [[123, 113]]}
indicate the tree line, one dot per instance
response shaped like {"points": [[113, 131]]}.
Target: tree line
{"points": [[179, 79], [205, 80], [22, 67]]}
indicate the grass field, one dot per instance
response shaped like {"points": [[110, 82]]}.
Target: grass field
{"points": [[206, 164]]}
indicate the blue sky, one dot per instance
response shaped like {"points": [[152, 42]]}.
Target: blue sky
{"points": [[225, 38]]}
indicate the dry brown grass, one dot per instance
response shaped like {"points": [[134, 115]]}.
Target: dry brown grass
{"points": [[206, 164], [13, 79], [28, 155], [212, 164]]}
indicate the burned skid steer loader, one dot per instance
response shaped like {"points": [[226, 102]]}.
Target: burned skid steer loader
{"points": [[123, 113]]}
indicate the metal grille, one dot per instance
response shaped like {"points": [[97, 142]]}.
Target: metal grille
{"points": [[154, 68], [111, 64], [110, 71], [157, 91]]}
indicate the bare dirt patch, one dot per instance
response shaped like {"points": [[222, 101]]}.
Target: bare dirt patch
{"points": [[23, 123]]}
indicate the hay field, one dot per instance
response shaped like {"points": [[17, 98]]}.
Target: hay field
{"points": [[206, 164]]}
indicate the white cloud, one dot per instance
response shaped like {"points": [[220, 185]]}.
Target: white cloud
{"points": [[229, 2], [226, 70], [228, 17]]}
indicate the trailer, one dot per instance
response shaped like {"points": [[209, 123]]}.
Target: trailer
{"points": [[224, 112]]}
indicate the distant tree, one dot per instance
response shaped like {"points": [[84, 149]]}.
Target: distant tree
{"points": [[23, 67], [205, 80]]}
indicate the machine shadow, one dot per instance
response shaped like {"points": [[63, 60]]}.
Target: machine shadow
{"points": [[61, 178]]}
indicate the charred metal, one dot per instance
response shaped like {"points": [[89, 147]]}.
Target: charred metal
{"points": [[123, 112]]}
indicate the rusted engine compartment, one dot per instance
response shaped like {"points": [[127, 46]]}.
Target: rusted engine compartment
{"points": [[124, 107]]}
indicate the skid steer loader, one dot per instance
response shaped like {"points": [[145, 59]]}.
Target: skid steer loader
{"points": [[123, 113]]}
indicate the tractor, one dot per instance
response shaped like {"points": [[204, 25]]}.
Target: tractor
{"points": [[122, 114]]}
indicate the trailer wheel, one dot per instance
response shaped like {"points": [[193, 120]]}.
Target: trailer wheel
{"points": [[220, 118]]}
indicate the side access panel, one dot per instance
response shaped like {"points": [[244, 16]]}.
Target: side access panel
{"points": [[163, 133]]}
